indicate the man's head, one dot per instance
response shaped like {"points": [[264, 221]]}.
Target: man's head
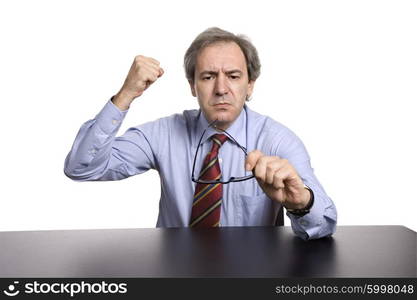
{"points": [[222, 69]]}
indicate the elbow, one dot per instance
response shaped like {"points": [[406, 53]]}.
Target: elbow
{"points": [[74, 171], [68, 171], [70, 174], [81, 175], [85, 172]]}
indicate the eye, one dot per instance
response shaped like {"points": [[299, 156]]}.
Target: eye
{"points": [[234, 76], [208, 77]]}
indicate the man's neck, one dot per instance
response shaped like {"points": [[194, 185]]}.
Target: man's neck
{"points": [[219, 127]]}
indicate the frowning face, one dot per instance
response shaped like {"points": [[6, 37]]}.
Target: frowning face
{"points": [[221, 83]]}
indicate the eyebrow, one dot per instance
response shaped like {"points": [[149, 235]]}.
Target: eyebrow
{"points": [[215, 72]]}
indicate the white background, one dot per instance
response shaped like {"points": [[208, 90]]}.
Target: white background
{"points": [[341, 74]]}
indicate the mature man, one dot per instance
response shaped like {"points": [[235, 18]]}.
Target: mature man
{"points": [[207, 159]]}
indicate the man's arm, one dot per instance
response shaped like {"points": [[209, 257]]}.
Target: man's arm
{"points": [[96, 153], [283, 177]]}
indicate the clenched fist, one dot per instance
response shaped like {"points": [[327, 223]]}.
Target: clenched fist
{"points": [[143, 72]]}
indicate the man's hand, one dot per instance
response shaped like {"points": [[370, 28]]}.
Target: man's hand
{"points": [[278, 179], [143, 72]]}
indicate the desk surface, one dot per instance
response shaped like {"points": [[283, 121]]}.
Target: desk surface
{"points": [[354, 251]]}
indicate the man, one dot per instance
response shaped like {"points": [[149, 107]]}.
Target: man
{"points": [[206, 177]]}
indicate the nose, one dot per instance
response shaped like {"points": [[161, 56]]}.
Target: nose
{"points": [[221, 87]]}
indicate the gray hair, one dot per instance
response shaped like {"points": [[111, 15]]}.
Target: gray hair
{"points": [[215, 35]]}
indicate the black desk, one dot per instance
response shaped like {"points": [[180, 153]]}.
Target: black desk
{"points": [[354, 251]]}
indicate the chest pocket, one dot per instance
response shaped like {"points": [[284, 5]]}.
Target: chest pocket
{"points": [[256, 210]]}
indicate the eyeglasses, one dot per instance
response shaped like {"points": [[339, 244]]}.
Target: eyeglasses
{"points": [[231, 179]]}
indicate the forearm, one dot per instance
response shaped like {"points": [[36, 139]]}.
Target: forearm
{"points": [[93, 145]]}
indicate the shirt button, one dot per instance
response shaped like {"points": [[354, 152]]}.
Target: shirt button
{"points": [[114, 122], [220, 160]]}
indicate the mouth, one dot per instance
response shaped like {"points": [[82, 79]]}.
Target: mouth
{"points": [[221, 104]]}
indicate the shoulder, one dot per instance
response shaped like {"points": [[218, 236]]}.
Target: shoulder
{"points": [[178, 123], [265, 125], [164, 133], [271, 136]]}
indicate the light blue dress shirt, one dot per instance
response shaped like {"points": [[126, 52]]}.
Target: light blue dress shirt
{"points": [[168, 145]]}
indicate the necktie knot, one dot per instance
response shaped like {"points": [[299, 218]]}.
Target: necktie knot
{"points": [[218, 141]]}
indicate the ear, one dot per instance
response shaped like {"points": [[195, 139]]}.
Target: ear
{"points": [[192, 88], [251, 85]]}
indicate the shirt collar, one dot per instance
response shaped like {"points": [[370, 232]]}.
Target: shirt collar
{"points": [[237, 130]]}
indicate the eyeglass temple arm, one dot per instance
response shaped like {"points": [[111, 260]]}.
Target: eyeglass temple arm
{"points": [[196, 152], [232, 138]]}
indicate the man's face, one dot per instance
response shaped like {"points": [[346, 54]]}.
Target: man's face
{"points": [[221, 83]]}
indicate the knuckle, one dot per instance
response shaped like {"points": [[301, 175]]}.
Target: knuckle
{"points": [[250, 157], [263, 159], [277, 176], [255, 153]]}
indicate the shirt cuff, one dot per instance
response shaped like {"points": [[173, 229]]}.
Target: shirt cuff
{"points": [[110, 118], [309, 225]]}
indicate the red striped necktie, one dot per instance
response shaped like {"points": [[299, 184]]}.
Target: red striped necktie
{"points": [[208, 197]]}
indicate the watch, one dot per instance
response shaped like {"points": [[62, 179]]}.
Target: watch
{"points": [[303, 211]]}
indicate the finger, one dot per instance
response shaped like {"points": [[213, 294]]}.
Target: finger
{"points": [[149, 79], [261, 167], [161, 72], [280, 196], [156, 70], [280, 176], [149, 68], [148, 83], [271, 168], [143, 61], [289, 177], [150, 73], [153, 61], [252, 158], [151, 65]]}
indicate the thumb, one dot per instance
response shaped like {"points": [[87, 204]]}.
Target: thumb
{"points": [[252, 159]]}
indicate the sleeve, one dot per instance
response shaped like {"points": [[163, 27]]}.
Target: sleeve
{"points": [[322, 218], [97, 154]]}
